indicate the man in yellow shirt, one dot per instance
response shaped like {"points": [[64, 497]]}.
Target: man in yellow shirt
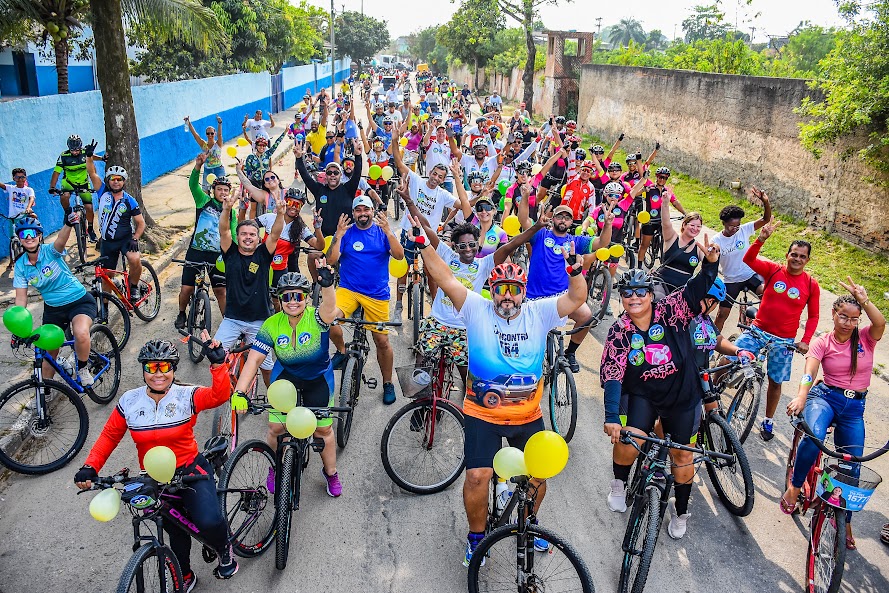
{"points": [[317, 136]]}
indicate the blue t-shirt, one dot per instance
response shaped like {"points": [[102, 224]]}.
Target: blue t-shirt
{"points": [[328, 152], [364, 262], [351, 129], [382, 135], [50, 276], [546, 269]]}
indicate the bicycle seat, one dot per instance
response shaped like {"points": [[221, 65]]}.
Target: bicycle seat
{"points": [[214, 448], [751, 312]]}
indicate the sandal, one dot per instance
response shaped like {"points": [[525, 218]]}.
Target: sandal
{"points": [[786, 507], [850, 543], [884, 534]]}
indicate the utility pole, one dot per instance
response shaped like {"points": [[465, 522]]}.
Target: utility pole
{"points": [[598, 26], [332, 56]]}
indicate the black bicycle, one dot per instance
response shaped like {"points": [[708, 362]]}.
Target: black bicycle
{"points": [[599, 287], [15, 245], [199, 316], [76, 203], [558, 381]]}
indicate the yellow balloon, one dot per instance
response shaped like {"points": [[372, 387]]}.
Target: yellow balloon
{"points": [[546, 454], [327, 241], [563, 190], [602, 254], [403, 142], [397, 267], [282, 395], [644, 217], [510, 462], [301, 422], [105, 505], [387, 173], [536, 168], [160, 463], [231, 151], [511, 225], [211, 178], [243, 142], [617, 250]]}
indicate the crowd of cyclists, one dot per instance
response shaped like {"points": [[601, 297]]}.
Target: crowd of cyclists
{"points": [[480, 189]]}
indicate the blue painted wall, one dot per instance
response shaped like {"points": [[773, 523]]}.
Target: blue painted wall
{"points": [[80, 79]]}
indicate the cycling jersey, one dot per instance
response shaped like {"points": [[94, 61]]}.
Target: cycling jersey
{"points": [[546, 268], [205, 235], [653, 198], [620, 209], [579, 196], [50, 275], [302, 351], [74, 168], [492, 239], [283, 248], [704, 335], [115, 216]]}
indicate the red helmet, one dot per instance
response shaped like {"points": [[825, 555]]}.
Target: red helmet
{"points": [[588, 165], [508, 273]]}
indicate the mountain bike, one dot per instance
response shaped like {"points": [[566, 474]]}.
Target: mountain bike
{"points": [[655, 251], [15, 245], [79, 227], [598, 279], [558, 381], [110, 310], [43, 422], [422, 444], [199, 316], [147, 304], [747, 302], [417, 288]]}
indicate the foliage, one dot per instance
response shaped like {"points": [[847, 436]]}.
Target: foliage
{"points": [[722, 56], [359, 36], [422, 43], [656, 40], [705, 23], [469, 35], [808, 45], [511, 51], [625, 32]]}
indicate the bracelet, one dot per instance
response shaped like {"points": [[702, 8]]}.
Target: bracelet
{"points": [[865, 303]]}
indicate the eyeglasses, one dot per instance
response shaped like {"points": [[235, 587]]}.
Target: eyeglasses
{"points": [[846, 320], [466, 245], [20, 177], [485, 207], [162, 366], [332, 172], [563, 216], [28, 234], [503, 289], [629, 292], [116, 178], [290, 297]]}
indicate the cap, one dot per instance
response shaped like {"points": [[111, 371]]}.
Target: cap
{"points": [[362, 201], [333, 165], [563, 208]]}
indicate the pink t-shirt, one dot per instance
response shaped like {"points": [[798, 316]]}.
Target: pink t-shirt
{"points": [[836, 360]]}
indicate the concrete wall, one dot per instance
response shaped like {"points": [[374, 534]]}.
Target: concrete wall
{"points": [[720, 127], [510, 87], [33, 131]]}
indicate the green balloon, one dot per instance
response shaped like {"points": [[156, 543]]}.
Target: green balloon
{"points": [[502, 187], [51, 337], [18, 321]]}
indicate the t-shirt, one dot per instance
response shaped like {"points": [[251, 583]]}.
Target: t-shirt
{"points": [[506, 358], [115, 216], [494, 238], [247, 284], [318, 139], [731, 253], [50, 275], [74, 168], [836, 359], [472, 276], [255, 129], [546, 268], [439, 153], [19, 197], [364, 262], [284, 247], [301, 351], [704, 335], [430, 202], [487, 167], [205, 235]]}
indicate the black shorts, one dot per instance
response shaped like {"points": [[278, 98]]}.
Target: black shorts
{"points": [[549, 181], [316, 393], [733, 289], [484, 439], [681, 423], [649, 229], [190, 273], [64, 315], [114, 250]]}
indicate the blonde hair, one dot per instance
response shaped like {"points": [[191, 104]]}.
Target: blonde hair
{"points": [[690, 216]]}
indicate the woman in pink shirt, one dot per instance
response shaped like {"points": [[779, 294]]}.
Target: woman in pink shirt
{"points": [[846, 355]]}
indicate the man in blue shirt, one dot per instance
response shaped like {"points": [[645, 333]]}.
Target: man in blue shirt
{"points": [[363, 250]]}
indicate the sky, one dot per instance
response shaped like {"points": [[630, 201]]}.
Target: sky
{"points": [[778, 17]]}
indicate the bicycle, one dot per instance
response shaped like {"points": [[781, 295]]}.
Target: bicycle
{"points": [[199, 316], [79, 227], [43, 422], [599, 288], [110, 310], [418, 287], [352, 376], [655, 250], [153, 565], [826, 554], [520, 568], [648, 497], [422, 444], [747, 306], [148, 304], [559, 380], [15, 245]]}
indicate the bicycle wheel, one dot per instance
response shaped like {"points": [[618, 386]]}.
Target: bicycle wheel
{"points": [[417, 308], [15, 249], [520, 257], [744, 407], [563, 401], [151, 569], [653, 254], [645, 522], [33, 446], [150, 303], [226, 423], [198, 320], [104, 364], [733, 481], [423, 452], [284, 498], [349, 386], [599, 293], [826, 556], [245, 500], [629, 255], [80, 238], [113, 314], [559, 569]]}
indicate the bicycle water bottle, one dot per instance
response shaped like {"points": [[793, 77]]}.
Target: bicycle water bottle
{"points": [[747, 368], [67, 364], [185, 126], [501, 494]]}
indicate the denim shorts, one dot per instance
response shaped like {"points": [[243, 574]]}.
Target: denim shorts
{"points": [[780, 359]]}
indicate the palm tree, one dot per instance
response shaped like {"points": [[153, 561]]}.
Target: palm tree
{"points": [[625, 31]]}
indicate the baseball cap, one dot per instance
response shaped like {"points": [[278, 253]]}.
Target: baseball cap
{"points": [[560, 209], [333, 166], [362, 200]]}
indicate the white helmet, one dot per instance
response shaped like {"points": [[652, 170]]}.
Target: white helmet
{"points": [[613, 188], [116, 170]]}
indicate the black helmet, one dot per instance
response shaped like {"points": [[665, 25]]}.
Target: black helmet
{"points": [[597, 149], [74, 142], [663, 171], [158, 351], [560, 119], [523, 167], [294, 193], [634, 278], [221, 181], [580, 154], [293, 281]]}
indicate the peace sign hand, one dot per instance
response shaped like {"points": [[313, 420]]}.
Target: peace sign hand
{"points": [[711, 250], [856, 290], [766, 231]]}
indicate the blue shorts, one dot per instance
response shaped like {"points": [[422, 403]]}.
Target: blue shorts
{"points": [[410, 248], [780, 359]]}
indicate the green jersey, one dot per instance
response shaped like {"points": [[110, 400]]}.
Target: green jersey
{"points": [[73, 166], [302, 351]]}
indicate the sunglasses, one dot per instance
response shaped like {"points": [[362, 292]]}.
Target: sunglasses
{"points": [[503, 289], [332, 172], [483, 207], [629, 292], [270, 178], [157, 367], [116, 178], [209, 133], [290, 297], [293, 203], [661, 176], [612, 196], [466, 245], [20, 177], [330, 137], [28, 234]]}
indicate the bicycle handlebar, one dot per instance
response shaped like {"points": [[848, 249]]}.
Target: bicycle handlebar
{"points": [[94, 262], [123, 477], [206, 344], [376, 324], [628, 438], [591, 323], [197, 264], [320, 413], [800, 423]]}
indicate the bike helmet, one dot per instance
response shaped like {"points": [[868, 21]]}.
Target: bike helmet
{"points": [[613, 188], [524, 167], [588, 165], [631, 158], [475, 176], [74, 142], [717, 291], [221, 181], [635, 278], [560, 120], [294, 193], [480, 120], [571, 123], [261, 140], [479, 142], [28, 222], [615, 167], [116, 170], [597, 149], [508, 273], [580, 154], [158, 351], [663, 171], [387, 120], [293, 281]]}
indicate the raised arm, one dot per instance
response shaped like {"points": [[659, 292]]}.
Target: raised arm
{"points": [[464, 204], [256, 194], [614, 148], [271, 241], [766, 206], [669, 232], [219, 131], [439, 271], [509, 248], [225, 229], [194, 133], [577, 289], [452, 142], [647, 163]]}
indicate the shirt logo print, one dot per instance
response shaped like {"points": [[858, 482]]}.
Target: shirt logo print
{"points": [[779, 287]]}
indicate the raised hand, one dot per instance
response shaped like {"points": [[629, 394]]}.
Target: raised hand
{"points": [[456, 169], [317, 221], [299, 149], [711, 250], [856, 290], [218, 119], [342, 226], [199, 159], [766, 231], [382, 220], [229, 201]]}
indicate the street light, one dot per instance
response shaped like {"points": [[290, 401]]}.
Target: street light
{"points": [[332, 56]]}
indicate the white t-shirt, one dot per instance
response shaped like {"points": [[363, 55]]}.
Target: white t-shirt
{"points": [[488, 166], [395, 115], [430, 202], [439, 154], [268, 219], [731, 253], [472, 276], [391, 96], [258, 128], [18, 199]]}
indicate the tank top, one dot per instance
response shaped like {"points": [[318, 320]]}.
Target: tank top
{"points": [[679, 265]]}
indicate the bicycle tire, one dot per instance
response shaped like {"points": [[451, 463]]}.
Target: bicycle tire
{"points": [[80, 239], [150, 304], [107, 378], [349, 386], [480, 580], [133, 579], [15, 249], [722, 476], [259, 516], [563, 402], [599, 293], [226, 423], [744, 407], [653, 254], [408, 431], [629, 255], [113, 314], [645, 518], [417, 308], [199, 319], [826, 554], [14, 426], [284, 496]]}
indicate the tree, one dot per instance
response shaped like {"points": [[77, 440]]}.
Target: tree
{"points": [[705, 23], [807, 46], [289, 35], [469, 35], [422, 43], [656, 40], [625, 31], [359, 36]]}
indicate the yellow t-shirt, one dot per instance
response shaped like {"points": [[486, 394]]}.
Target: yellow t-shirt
{"points": [[318, 139]]}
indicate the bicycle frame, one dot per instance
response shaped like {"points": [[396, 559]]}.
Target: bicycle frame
{"points": [[522, 501], [40, 355]]}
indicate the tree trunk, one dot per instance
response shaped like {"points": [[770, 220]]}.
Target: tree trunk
{"points": [[113, 73], [528, 74], [61, 49]]}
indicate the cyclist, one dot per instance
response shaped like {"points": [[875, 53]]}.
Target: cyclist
{"points": [[72, 164], [298, 335], [483, 158], [682, 254], [648, 360], [438, 151], [846, 355], [734, 241], [788, 290], [20, 200], [260, 160], [318, 129], [264, 198], [616, 203], [648, 197], [181, 405], [257, 127], [506, 339], [377, 155], [65, 300], [211, 148]]}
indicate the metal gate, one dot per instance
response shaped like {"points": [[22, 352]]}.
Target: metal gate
{"points": [[277, 92]]}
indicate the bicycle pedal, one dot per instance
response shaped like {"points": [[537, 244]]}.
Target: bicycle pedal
{"points": [[371, 383], [317, 444], [208, 554]]}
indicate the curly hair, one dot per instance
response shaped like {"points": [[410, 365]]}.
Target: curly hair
{"points": [[731, 213], [466, 228]]}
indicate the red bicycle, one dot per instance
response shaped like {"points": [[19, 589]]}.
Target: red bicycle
{"points": [[147, 304]]}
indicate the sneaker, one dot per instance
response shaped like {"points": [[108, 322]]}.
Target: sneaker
{"points": [[270, 481], [86, 377], [334, 486], [472, 542], [227, 566], [608, 310], [678, 523], [388, 393], [189, 581], [91, 235], [399, 308], [136, 293], [617, 498], [540, 544], [766, 430], [180, 320], [572, 362], [338, 360]]}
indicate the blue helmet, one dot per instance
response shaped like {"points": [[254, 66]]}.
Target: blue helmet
{"points": [[28, 222], [717, 291]]}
